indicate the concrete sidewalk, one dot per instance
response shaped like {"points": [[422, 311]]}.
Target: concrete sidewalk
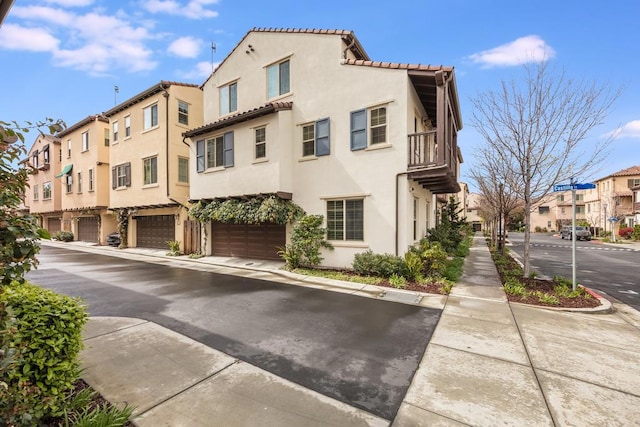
{"points": [[488, 363]]}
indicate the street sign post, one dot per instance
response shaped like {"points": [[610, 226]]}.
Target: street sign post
{"points": [[573, 187]]}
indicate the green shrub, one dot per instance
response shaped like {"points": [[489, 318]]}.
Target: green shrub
{"points": [[307, 237], [397, 281], [47, 339], [381, 265], [538, 229], [514, 287], [413, 262], [63, 236], [174, 248], [635, 235]]}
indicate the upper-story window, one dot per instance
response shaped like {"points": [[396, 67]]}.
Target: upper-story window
{"points": [[561, 198], [315, 138], [45, 154], [150, 170], [579, 197], [368, 127], [106, 137], [35, 192], [278, 77], [183, 169], [121, 175], [215, 152], [79, 182], [633, 182], [261, 143], [543, 210], [115, 132], [150, 114], [127, 126], [85, 141], [68, 148], [228, 98], [90, 179], [46, 191], [69, 183], [183, 113], [34, 160]]}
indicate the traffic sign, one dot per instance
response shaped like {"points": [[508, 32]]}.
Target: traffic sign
{"points": [[613, 219], [567, 187]]}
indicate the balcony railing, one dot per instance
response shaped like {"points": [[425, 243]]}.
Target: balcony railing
{"points": [[433, 164]]}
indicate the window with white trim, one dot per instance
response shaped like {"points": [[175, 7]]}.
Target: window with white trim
{"points": [[183, 169], [90, 179], [150, 166], [316, 138], [69, 182], [345, 219], [106, 137], [278, 76], [150, 116], [35, 192], [228, 98], [85, 141], [415, 218], [127, 126], [215, 149], [121, 175], [34, 160], [115, 131], [68, 148], [260, 143], [45, 154], [368, 127], [46, 191], [79, 182], [183, 113], [215, 152], [309, 140]]}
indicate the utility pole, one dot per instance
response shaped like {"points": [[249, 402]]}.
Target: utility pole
{"points": [[116, 89]]}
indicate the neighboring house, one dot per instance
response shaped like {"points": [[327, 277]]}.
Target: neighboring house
{"points": [[543, 214], [149, 162], [473, 212], [636, 205], [564, 208], [85, 177], [614, 198], [43, 195], [305, 115]]}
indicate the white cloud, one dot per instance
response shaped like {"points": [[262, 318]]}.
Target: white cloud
{"points": [[628, 130], [185, 47], [70, 3], [43, 13], [15, 37], [520, 51], [201, 71], [194, 9]]}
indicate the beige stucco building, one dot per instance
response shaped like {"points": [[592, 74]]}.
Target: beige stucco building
{"points": [[306, 115], [149, 162], [84, 179], [43, 196]]}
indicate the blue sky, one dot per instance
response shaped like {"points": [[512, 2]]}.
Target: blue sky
{"points": [[62, 58]]}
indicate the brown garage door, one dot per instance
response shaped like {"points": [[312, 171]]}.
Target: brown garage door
{"points": [[88, 229], [247, 240], [53, 225], [154, 231]]}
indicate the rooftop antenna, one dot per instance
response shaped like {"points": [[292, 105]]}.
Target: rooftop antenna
{"points": [[213, 50], [116, 89]]}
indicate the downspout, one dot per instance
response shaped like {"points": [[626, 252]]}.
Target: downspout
{"points": [[166, 124], [398, 207]]}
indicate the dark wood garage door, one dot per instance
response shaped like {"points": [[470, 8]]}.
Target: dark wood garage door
{"points": [[88, 229], [247, 240], [154, 231], [53, 225]]}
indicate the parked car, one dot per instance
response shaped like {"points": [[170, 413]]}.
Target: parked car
{"points": [[113, 239], [582, 233]]}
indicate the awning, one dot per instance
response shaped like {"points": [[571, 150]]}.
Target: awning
{"points": [[65, 171]]}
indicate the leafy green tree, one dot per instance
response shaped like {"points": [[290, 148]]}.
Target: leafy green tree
{"points": [[450, 231], [307, 237]]}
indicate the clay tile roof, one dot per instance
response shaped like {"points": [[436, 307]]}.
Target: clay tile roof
{"points": [[164, 84], [83, 122], [633, 170], [397, 66], [263, 110]]}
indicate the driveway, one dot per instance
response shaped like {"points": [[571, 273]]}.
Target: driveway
{"points": [[361, 351]]}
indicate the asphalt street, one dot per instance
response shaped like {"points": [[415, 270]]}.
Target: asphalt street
{"points": [[613, 270], [361, 351]]}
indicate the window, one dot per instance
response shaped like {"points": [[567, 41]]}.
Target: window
{"points": [[261, 143], [121, 176], [85, 141], [278, 79], [69, 182], [561, 198], [183, 113], [308, 140], [106, 137], [115, 132], [90, 179], [543, 210], [633, 182], [150, 116], [183, 169], [315, 138], [46, 191], [215, 152], [35, 192], [150, 170], [562, 210], [345, 219], [127, 126], [415, 219], [377, 128], [228, 98], [580, 209], [68, 148], [79, 182], [579, 197], [34, 160], [60, 154]]}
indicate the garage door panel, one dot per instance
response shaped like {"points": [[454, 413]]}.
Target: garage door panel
{"points": [[88, 229], [53, 225], [260, 241], [154, 231]]}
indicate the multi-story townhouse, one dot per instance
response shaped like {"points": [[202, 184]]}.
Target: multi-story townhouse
{"points": [[613, 198], [474, 214], [149, 162], [543, 214], [305, 115], [564, 207], [85, 179], [43, 196]]}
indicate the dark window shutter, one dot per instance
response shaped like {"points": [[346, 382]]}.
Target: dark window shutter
{"points": [[228, 149], [127, 173], [200, 165], [322, 138], [114, 178], [358, 130]]}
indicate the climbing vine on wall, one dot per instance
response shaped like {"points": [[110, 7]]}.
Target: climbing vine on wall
{"points": [[250, 211], [122, 220]]}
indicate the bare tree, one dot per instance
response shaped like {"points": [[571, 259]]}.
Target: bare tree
{"points": [[536, 129]]}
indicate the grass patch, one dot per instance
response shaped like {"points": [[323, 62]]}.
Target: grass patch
{"points": [[339, 275]]}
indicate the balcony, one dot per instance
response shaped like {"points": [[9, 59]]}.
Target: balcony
{"points": [[432, 164]]}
